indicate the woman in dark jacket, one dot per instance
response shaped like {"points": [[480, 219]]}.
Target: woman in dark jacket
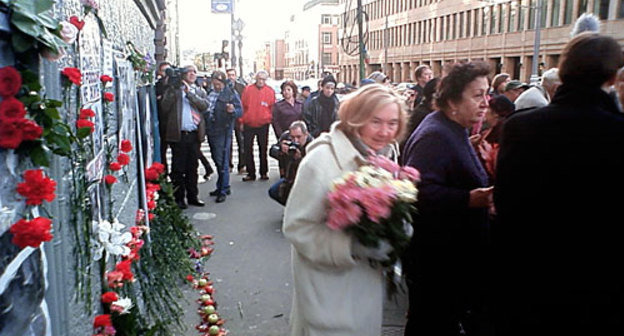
{"points": [[446, 261], [322, 110]]}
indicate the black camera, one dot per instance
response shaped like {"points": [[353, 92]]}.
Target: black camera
{"points": [[175, 76], [293, 147]]}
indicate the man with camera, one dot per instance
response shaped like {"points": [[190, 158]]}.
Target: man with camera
{"points": [[184, 102], [289, 150]]}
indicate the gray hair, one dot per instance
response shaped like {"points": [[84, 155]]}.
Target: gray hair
{"points": [[550, 77], [300, 125], [262, 73]]}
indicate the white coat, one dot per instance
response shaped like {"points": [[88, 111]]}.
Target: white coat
{"points": [[334, 294]]}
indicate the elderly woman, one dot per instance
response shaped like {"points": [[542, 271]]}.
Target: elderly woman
{"points": [[336, 290], [445, 263]]}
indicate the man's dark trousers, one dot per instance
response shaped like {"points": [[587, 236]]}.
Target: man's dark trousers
{"points": [[249, 134], [184, 166]]}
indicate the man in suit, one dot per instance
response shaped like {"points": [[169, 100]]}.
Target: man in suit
{"points": [[558, 233], [183, 105]]}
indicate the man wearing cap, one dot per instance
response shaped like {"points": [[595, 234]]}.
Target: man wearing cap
{"points": [[514, 88], [322, 110], [224, 107], [185, 131], [258, 100], [305, 93]]}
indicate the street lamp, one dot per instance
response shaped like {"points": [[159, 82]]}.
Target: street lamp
{"points": [[237, 28]]}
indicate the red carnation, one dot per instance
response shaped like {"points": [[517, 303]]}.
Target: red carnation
{"points": [[11, 108], [30, 130], [36, 187], [151, 205], [124, 267], [151, 174], [123, 159], [76, 22], [102, 321], [126, 145], [73, 75], [10, 134], [109, 297], [84, 123], [159, 167], [151, 216], [109, 97], [10, 82], [110, 179], [106, 79], [86, 113], [114, 166], [31, 233]]}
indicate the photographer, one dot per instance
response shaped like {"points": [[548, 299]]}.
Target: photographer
{"points": [[289, 151], [183, 102]]}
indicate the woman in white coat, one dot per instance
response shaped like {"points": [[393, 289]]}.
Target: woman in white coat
{"points": [[336, 290]]}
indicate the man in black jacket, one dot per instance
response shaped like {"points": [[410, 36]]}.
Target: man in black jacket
{"points": [[558, 234]]}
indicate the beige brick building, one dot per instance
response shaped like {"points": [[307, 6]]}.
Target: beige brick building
{"points": [[402, 34]]}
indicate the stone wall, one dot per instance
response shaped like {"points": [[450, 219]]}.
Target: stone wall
{"points": [[37, 288]]}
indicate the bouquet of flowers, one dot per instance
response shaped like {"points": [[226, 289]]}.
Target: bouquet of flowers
{"points": [[375, 203]]}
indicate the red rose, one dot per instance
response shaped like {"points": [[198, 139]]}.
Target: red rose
{"points": [[31, 233], [10, 134], [110, 179], [123, 159], [86, 113], [10, 82], [124, 267], [109, 297], [102, 321], [30, 130], [109, 97], [73, 75], [106, 79], [36, 187], [11, 108], [84, 123], [151, 174], [126, 145], [76, 22], [114, 166]]}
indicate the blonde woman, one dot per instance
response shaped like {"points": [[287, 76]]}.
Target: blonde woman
{"points": [[336, 291]]}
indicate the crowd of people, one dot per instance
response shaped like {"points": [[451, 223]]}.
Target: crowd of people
{"points": [[516, 230]]}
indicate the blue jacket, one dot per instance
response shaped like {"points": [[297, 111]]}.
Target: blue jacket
{"points": [[219, 120]]}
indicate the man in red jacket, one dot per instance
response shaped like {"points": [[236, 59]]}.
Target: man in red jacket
{"points": [[258, 100]]}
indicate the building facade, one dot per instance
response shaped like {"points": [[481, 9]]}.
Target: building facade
{"points": [[402, 34], [311, 43]]}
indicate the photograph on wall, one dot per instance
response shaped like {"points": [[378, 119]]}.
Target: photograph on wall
{"points": [[126, 98]]}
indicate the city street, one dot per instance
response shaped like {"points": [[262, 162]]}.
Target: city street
{"points": [[251, 263]]}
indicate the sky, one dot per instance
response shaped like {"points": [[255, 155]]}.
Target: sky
{"points": [[264, 20]]}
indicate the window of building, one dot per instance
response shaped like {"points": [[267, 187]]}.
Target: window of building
{"points": [[554, 19], [468, 21], [454, 26], [493, 19], [442, 30], [543, 14], [567, 16], [326, 19], [532, 8], [512, 25], [327, 59], [460, 33], [520, 16], [475, 28], [601, 8], [582, 7], [327, 38], [485, 18], [620, 12]]}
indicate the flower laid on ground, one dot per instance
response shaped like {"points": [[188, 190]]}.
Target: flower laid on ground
{"points": [[74, 20], [11, 109], [106, 79], [123, 159], [10, 81], [124, 267], [103, 325], [121, 306], [374, 203], [31, 233], [84, 123], [90, 3], [69, 32], [109, 297], [14, 127], [110, 179], [114, 166], [86, 114], [37, 187], [73, 75]]}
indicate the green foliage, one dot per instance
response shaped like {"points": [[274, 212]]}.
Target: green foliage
{"points": [[35, 27]]}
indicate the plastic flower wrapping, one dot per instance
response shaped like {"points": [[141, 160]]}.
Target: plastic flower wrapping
{"points": [[375, 203]]}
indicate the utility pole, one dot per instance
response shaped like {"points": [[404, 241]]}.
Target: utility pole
{"points": [[536, 42], [232, 38], [362, 53]]}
